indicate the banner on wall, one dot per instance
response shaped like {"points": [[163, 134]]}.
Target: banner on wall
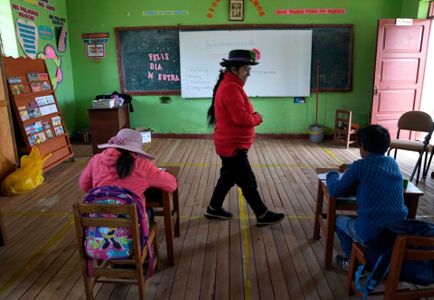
{"points": [[42, 3], [25, 12], [94, 44], [310, 11]]}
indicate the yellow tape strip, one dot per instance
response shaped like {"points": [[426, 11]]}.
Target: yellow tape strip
{"points": [[32, 261], [329, 153], [245, 236]]}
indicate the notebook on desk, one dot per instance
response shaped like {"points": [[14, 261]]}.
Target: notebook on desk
{"points": [[323, 176]]}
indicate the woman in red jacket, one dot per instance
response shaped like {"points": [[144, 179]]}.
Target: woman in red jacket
{"points": [[234, 121]]}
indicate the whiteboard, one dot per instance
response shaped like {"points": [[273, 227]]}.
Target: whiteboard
{"points": [[283, 70]]}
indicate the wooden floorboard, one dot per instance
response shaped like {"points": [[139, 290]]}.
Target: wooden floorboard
{"points": [[231, 259]]}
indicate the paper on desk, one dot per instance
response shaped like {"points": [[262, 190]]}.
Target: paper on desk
{"points": [[323, 176]]}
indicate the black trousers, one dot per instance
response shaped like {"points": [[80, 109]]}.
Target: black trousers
{"points": [[237, 170]]}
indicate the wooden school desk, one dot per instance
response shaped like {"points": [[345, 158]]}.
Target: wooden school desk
{"points": [[326, 220], [160, 202]]}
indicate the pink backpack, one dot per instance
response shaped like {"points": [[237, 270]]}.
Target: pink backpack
{"points": [[115, 243]]}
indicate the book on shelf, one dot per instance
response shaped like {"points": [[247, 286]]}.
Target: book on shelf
{"points": [[49, 133], [17, 88], [35, 86], [24, 115], [58, 130], [56, 120], [34, 112], [39, 81]]}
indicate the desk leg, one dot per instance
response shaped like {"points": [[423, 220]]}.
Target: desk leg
{"points": [[318, 211], [3, 237], [176, 209], [167, 214], [411, 201], [330, 232]]}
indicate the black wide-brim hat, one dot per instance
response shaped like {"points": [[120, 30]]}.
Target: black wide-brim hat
{"points": [[240, 57]]}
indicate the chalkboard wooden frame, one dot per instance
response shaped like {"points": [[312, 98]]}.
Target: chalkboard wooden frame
{"points": [[166, 89], [325, 37]]}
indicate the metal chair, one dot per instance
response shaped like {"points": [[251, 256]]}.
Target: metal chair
{"points": [[414, 121]]}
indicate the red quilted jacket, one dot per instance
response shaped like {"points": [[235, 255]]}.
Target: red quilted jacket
{"points": [[235, 117]]}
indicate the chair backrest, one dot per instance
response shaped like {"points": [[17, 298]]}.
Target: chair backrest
{"points": [[109, 219], [409, 248], [416, 121], [343, 117]]}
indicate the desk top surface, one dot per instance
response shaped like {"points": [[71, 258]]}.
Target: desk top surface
{"points": [[411, 188]]}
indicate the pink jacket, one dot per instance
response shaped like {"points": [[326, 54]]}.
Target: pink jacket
{"points": [[101, 170]]}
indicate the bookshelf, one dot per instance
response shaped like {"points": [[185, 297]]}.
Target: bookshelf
{"points": [[8, 153], [37, 117]]}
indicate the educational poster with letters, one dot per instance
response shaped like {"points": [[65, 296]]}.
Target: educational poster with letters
{"points": [[284, 67]]}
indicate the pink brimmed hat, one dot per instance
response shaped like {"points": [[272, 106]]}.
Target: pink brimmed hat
{"points": [[128, 139]]}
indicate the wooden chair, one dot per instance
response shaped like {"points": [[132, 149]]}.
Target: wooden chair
{"points": [[404, 249], [345, 131], [131, 270], [415, 121]]}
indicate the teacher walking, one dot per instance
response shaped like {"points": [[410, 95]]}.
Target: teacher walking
{"points": [[234, 119]]}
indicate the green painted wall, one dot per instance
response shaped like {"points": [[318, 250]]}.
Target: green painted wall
{"points": [[188, 116], [65, 89], [84, 78]]}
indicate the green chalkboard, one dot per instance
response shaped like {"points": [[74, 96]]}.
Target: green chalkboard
{"points": [[148, 60], [148, 57], [332, 48]]}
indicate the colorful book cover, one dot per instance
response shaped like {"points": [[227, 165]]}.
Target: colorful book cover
{"points": [[35, 86], [14, 80], [32, 76], [17, 88], [43, 76], [24, 115], [46, 86], [56, 120], [58, 130], [49, 133]]}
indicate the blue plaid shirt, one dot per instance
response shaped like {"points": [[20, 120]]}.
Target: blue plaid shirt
{"points": [[380, 195]]}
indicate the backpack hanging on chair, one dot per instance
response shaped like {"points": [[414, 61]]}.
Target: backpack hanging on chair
{"points": [[115, 243], [378, 255]]}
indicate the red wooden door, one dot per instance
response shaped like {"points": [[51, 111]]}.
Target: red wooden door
{"points": [[399, 69]]}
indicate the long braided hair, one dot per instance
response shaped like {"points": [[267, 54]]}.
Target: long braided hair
{"points": [[125, 163], [211, 111]]}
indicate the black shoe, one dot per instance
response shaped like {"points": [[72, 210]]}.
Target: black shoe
{"points": [[269, 218], [342, 262], [217, 213]]}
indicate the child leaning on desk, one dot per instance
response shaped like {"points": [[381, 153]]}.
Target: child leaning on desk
{"points": [[378, 182], [124, 163]]}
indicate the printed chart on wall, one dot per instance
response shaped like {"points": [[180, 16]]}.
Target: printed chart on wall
{"points": [[284, 68]]}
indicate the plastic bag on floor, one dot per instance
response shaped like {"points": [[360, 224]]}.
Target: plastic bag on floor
{"points": [[27, 176]]}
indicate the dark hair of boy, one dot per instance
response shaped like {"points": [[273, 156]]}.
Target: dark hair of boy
{"points": [[374, 138]]}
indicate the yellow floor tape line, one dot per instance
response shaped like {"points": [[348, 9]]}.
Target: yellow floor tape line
{"points": [[30, 263], [331, 154], [246, 244]]}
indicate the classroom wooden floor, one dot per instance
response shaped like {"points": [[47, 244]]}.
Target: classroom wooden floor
{"points": [[214, 259]]}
